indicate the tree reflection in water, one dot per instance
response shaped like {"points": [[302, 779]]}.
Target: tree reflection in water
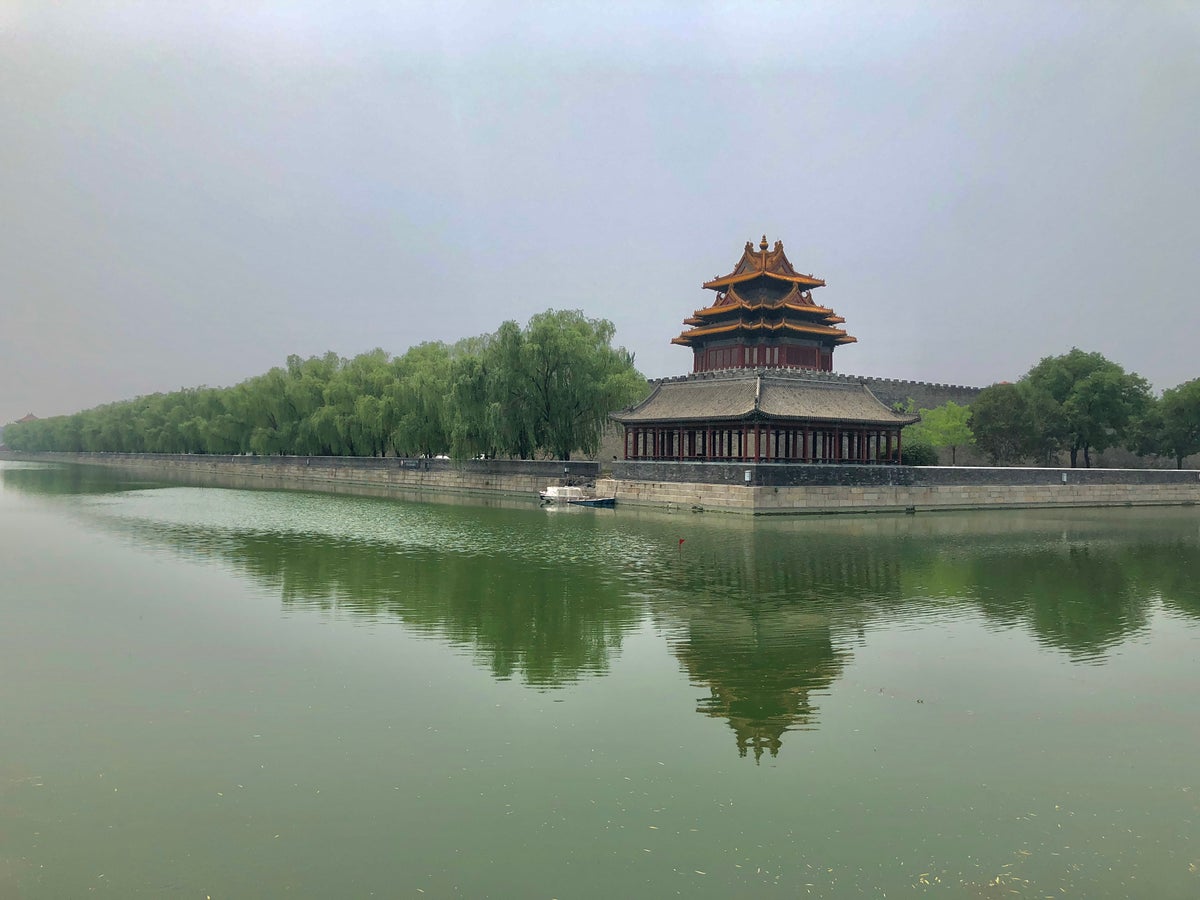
{"points": [[765, 614]]}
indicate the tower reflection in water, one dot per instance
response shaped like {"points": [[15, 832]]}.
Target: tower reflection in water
{"points": [[763, 615]]}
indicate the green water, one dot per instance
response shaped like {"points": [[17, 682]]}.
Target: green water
{"points": [[228, 693]]}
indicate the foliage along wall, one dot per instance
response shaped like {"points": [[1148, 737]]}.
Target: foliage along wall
{"points": [[542, 390]]}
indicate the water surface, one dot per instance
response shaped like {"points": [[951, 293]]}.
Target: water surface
{"points": [[236, 693]]}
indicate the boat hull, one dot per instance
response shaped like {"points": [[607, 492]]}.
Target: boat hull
{"points": [[602, 502]]}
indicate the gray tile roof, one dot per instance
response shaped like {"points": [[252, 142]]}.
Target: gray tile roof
{"points": [[772, 394]]}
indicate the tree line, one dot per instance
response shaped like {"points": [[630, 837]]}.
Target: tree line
{"points": [[542, 390], [1075, 404]]}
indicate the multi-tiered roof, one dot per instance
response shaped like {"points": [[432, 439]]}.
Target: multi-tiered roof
{"points": [[764, 316], [762, 387]]}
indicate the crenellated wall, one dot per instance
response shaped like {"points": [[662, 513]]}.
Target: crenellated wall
{"points": [[923, 394]]}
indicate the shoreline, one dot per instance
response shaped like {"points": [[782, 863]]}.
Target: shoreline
{"points": [[756, 489]]}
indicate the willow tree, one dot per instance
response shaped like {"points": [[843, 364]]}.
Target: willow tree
{"points": [[419, 399], [573, 378]]}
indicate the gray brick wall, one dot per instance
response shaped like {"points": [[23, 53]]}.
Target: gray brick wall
{"points": [[815, 475]]}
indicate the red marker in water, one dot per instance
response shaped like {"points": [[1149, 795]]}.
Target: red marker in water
{"points": [[681, 542]]}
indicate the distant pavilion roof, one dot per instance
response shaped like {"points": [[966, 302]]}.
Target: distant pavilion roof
{"points": [[781, 394], [771, 263], [764, 297]]}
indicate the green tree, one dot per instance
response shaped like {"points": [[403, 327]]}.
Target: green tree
{"points": [[471, 431], [947, 425], [511, 414], [547, 389], [574, 378], [1083, 402], [1181, 420], [420, 396], [1001, 422], [1169, 427], [918, 453]]}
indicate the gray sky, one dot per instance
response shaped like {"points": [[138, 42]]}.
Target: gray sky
{"points": [[192, 192]]}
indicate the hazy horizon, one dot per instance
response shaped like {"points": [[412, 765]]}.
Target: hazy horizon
{"points": [[196, 192]]}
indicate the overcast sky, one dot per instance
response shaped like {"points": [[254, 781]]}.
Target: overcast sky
{"points": [[193, 191]]}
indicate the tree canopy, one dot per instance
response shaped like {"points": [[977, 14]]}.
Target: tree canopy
{"points": [[944, 426], [1077, 403], [545, 390], [1170, 426]]}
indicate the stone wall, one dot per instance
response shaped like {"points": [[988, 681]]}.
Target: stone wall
{"points": [[778, 489], [487, 476], [923, 394], [772, 488]]}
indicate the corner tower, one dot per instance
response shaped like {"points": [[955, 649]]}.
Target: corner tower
{"points": [[764, 317]]}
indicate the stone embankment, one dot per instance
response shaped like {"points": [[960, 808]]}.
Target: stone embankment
{"points": [[478, 476], [748, 488], [777, 489]]}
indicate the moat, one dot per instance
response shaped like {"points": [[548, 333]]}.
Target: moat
{"points": [[234, 693]]}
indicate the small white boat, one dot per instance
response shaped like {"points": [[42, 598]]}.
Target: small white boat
{"points": [[559, 493]]}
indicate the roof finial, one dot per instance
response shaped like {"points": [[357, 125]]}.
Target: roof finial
{"points": [[763, 246]]}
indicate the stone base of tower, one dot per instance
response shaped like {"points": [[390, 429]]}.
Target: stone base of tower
{"points": [[809, 489]]}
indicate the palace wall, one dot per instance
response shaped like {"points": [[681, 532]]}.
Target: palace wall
{"points": [[924, 394], [780, 489], [522, 478], [772, 489]]}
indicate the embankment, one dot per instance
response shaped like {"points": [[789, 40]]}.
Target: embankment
{"points": [[748, 488], [777, 489], [502, 477]]}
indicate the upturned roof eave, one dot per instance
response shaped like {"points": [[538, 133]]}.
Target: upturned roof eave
{"points": [[726, 280], [835, 335], [803, 309]]}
